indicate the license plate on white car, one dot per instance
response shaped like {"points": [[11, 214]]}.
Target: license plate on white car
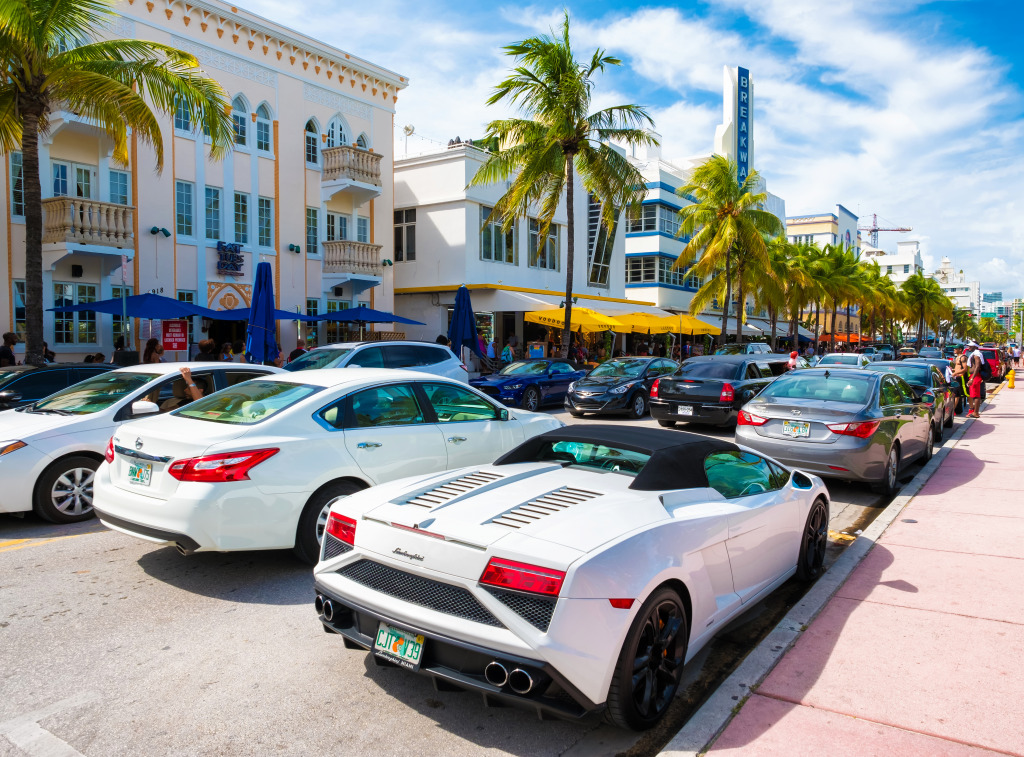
{"points": [[402, 647], [685, 410], [796, 428], [140, 473]]}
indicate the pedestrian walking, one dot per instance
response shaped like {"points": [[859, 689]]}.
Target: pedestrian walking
{"points": [[974, 361], [7, 357], [154, 352]]}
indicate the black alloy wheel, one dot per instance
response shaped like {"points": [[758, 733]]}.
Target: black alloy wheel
{"points": [[813, 543], [531, 399], [650, 664]]}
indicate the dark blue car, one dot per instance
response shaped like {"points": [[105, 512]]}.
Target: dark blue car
{"points": [[529, 384]]}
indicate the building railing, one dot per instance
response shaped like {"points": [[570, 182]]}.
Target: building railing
{"points": [[351, 163], [77, 219], [352, 257]]}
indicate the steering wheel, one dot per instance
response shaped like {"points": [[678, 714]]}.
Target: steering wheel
{"points": [[614, 465]]}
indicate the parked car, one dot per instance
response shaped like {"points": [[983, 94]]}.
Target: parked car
{"points": [[906, 352], [933, 352], [24, 384], [749, 348], [949, 351], [713, 388], [886, 351], [929, 384], [845, 359], [422, 357], [256, 466], [622, 385], [578, 572], [530, 384], [846, 423], [870, 352], [55, 445]]}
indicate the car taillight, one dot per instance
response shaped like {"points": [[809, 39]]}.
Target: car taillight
{"points": [[862, 429], [727, 395], [509, 574], [342, 528], [227, 466], [749, 419], [109, 454], [654, 388]]}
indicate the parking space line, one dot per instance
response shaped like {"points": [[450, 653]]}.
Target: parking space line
{"points": [[16, 544], [27, 735], [11, 542]]}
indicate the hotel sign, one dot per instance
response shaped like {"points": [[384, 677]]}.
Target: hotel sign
{"points": [[744, 108], [229, 259]]}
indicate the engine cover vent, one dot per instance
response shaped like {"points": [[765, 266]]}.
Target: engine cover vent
{"points": [[449, 490], [552, 502]]}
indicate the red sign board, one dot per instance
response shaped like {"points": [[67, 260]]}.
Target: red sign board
{"points": [[175, 335]]}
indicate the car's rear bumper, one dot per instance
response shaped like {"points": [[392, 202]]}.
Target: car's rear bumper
{"points": [[848, 458], [453, 662], [668, 410]]}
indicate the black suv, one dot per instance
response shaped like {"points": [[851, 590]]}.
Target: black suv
{"points": [[712, 389], [25, 384]]}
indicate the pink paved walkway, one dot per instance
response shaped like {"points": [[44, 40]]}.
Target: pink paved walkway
{"points": [[921, 652]]}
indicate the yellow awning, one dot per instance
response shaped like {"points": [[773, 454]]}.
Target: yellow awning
{"points": [[680, 323], [583, 319]]}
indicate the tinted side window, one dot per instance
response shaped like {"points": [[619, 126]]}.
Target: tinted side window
{"points": [[738, 474], [237, 377], [370, 357], [393, 405], [38, 384], [412, 356], [557, 368], [780, 476], [906, 393], [453, 404], [752, 371], [777, 368]]}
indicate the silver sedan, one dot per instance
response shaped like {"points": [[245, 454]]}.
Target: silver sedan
{"points": [[843, 423]]}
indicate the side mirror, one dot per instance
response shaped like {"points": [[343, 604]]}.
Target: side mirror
{"points": [[9, 395], [503, 414], [144, 407]]}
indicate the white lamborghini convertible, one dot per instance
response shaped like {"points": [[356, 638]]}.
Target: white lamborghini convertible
{"points": [[579, 571]]}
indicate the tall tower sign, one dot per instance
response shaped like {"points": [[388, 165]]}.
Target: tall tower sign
{"points": [[744, 106], [734, 137]]}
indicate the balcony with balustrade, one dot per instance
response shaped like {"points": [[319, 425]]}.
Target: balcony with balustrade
{"points": [[347, 257], [350, 169], [80, 226]]}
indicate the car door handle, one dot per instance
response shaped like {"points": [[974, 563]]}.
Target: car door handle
{"points": [[369, 445], [456, 439]]}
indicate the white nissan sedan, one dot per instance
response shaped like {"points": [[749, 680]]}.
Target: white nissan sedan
{"points": [[257, 466], [49, 450]]}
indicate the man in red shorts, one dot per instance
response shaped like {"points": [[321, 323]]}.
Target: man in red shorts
{"points": [[974, 359]]}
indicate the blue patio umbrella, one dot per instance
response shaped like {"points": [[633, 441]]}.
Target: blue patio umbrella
{"points": [[261, 333], [364, 315], [462, 330], [150, 306], [242, 314]]}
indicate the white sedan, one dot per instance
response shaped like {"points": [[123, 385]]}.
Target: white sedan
{"points": [[49, 450], [256, 466], [578, 572]]}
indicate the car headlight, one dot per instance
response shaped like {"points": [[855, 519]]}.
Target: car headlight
{"points": [[11, 446], [514, 386], [622, 389]]}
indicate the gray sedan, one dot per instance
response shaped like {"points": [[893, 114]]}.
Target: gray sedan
{"points": [[844, 423]]}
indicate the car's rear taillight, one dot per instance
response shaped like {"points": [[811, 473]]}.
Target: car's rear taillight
{"points": [[654, 388], [727, 395], [109, 454], [227, 466], [862, 429], [508, 574], [749, 419], [341, 527]]}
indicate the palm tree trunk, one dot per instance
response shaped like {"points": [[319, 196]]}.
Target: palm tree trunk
{"points": [[33, 238], [817, 327], [728, 297], [570, 249], [835, 310], [741, 306], [775, 317]]}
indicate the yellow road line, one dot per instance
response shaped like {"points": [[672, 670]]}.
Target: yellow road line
{"points": [[16, 544]]}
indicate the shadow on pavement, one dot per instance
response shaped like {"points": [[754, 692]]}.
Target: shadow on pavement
{"points": [[272, 577]]}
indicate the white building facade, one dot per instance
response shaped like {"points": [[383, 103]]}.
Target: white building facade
{"points": [[898, 266], [837, 227], [307, 188], [966, 295]]}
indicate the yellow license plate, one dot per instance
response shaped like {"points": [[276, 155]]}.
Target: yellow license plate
{"points": [[401, 647], [796, 428], [140, 474]]}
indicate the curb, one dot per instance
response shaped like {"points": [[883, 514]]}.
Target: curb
{"points": [[701, 730]]}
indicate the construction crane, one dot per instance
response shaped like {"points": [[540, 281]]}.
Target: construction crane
{"points": [[874, 228]]}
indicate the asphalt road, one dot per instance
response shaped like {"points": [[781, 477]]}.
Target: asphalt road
{"points": [[113, 646]]}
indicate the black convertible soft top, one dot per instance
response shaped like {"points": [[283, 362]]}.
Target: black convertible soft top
{"points": [[677, 457]]}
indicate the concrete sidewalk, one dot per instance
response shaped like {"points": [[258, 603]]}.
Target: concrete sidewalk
{"points": [[920, 652]]}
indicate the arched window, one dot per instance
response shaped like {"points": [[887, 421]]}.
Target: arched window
{"points": [[312, 148], [240, 119], [336, 136], [263, 128], [363, 142]]}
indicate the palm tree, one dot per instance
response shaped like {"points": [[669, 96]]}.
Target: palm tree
{"points": [[51, 60], [558, 137], [927, 304], [726, 224]]}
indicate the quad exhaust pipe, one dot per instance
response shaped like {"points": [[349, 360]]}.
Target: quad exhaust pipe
{"points": [[520, 681], [318, 604], [496, 674], [324, 607]]}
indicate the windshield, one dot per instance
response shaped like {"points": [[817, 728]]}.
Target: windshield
{"points": [[620, 368], [839, 360], [94, 394], [801, 386], [708, 370], [525, 368], [248, 403], [910, 373], [589, 455], [318, 359]]}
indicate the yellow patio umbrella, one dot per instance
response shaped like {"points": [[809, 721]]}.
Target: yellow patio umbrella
{"points": [[583, 319], [679, 323]]}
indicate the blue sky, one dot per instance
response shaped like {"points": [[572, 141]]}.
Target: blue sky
{"points": [[912, 110]]}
